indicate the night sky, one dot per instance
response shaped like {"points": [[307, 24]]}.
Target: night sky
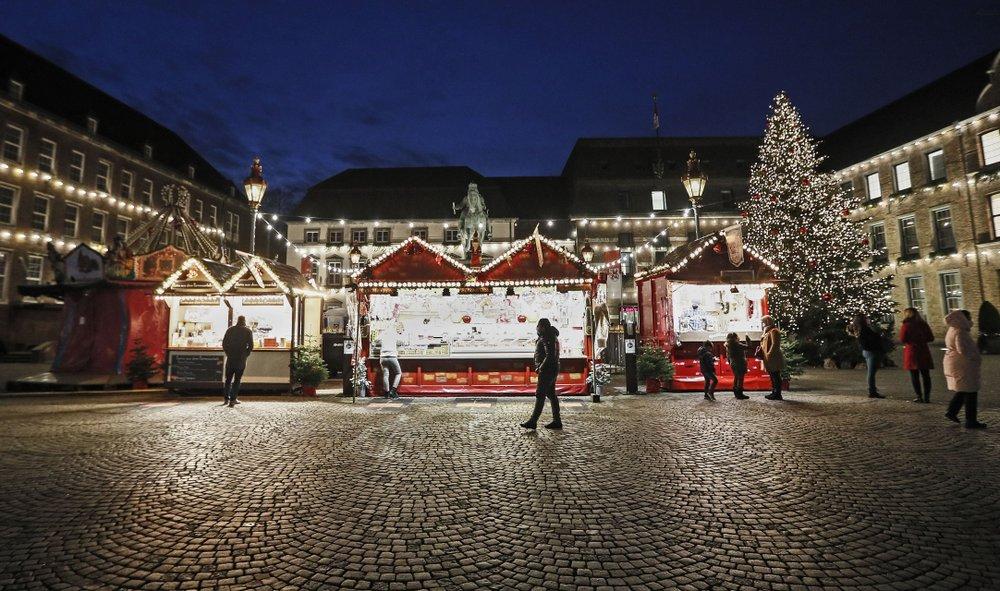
{"points": [[506, 88]]}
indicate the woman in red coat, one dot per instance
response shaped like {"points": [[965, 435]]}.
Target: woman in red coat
{"points": [[915, 334]]}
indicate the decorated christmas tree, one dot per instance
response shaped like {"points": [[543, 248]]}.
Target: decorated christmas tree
{"points": [[799, 219]]}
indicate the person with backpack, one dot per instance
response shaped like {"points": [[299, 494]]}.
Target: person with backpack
{"points": [[706, 361], [962, 368], [736, 356], [871, 348], [916, 334], [547, 368]]}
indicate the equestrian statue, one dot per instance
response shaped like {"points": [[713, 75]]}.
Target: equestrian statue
{"points": [[473, 218]]}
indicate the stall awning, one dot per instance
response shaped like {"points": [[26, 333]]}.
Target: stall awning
{"points": [[710, 260]]}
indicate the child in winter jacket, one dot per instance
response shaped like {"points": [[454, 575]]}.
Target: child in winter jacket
{"points": [[706, 359]]}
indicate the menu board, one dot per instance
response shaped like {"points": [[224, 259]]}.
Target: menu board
{"points": [[710, 312], [195, 367], [485, 325]]}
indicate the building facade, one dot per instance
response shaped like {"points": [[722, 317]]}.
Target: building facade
{"points": [[78, 166], [927, 170]]}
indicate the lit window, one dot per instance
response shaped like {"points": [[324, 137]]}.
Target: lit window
{"points": [[232, 226], [76, 161], [47, 156], [8, 203], [659, 201], [198, 209], [909, 246], [420, 233], [92, 125], [335, 236], [71, 219], [334, 272], [97, 227], [944, 234], [213, 216], [935, 165], [991, 146], [359, 235], [452, 236], [902, 173], [13, 143], [121, 227], [103, 176], [877, 233], [147, 192], [951, 291], [40, 213], [994, 213], [312, 236], [34, 266], [915, 293], [382, 236], [874, 187], [126, 186]]}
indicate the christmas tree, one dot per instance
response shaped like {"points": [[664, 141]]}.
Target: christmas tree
{"points": [[799, 219]]}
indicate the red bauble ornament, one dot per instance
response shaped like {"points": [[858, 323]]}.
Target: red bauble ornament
{"points": [[805, 181], [845, 212], [522, 318], [743, 214], [864, 241], [812, 264], [803, 230], [827, 297], [755, 197], [717, 249], [774, 231], [774, 198], [467, 319]]}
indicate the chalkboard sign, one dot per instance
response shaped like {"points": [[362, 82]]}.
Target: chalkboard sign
{"points": [[196, 367]]}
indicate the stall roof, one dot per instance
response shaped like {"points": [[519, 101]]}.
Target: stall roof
{"points": [[536, 259], [414, 260], [706, 260], [252, 275]]}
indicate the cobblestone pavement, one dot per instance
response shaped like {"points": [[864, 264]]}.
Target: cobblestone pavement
{"points": [[656, 492]]}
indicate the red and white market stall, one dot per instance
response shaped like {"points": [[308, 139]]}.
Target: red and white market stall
{"points": [[471, 330], [702, 291]]}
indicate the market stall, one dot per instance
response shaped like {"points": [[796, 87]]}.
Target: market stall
{"points": [[471, 330], [282, 310], [700, 292]]}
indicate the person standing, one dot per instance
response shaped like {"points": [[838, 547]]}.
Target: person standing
{"points": [[962, 368], [736, 356], [547, 368], [706, 361], [915, 334], [774, 359], [237, 344], [388, 360], [871, 349]]}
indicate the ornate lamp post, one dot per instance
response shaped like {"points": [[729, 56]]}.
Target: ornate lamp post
{"points": [[355, 255], [587, 252], [255, 187], [694, 183]]}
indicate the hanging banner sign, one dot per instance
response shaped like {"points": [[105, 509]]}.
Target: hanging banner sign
{"points": [[734, 244]]}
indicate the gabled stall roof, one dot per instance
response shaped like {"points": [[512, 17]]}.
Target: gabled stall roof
{"points": [[536, 259], [698, 262], [197, 276], [413, 261], [253, 275]]}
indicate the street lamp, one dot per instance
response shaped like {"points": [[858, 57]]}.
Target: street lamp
{"points": [[587, 252], [694, 183], [255, 187], [355, 255]]}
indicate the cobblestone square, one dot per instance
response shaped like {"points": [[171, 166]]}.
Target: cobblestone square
{"points": [[828, 491]]}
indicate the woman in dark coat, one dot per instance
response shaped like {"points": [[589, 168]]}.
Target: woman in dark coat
{"points": [[871, 349], [736, 355], [915, 334]]}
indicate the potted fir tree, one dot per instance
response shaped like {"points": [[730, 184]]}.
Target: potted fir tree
{"points": [[141, 367], [600, 376], [308, 368], [989, 329], [655, 368]]}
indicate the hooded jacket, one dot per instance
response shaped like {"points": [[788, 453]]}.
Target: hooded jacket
{"points": [[547, 351], [961, 358]]}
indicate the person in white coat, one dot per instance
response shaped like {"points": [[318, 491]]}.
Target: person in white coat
{"points": [[962, 368]]}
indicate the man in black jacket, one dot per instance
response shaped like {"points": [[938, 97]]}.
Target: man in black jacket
{"points": [[547, 367], [237, 344]]}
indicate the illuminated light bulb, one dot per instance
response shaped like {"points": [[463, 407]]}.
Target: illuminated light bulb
{"points": [[274, 217]]}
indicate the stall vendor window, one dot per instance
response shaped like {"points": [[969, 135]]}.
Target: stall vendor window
{"points": [[198, 322], [703, 312], [269, 318]]}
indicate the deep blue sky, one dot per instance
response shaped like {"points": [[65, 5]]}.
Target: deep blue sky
{"points": [[316, 87]]}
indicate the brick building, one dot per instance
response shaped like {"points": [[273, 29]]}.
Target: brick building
{"points": [[79, 166], [927, 169]]}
